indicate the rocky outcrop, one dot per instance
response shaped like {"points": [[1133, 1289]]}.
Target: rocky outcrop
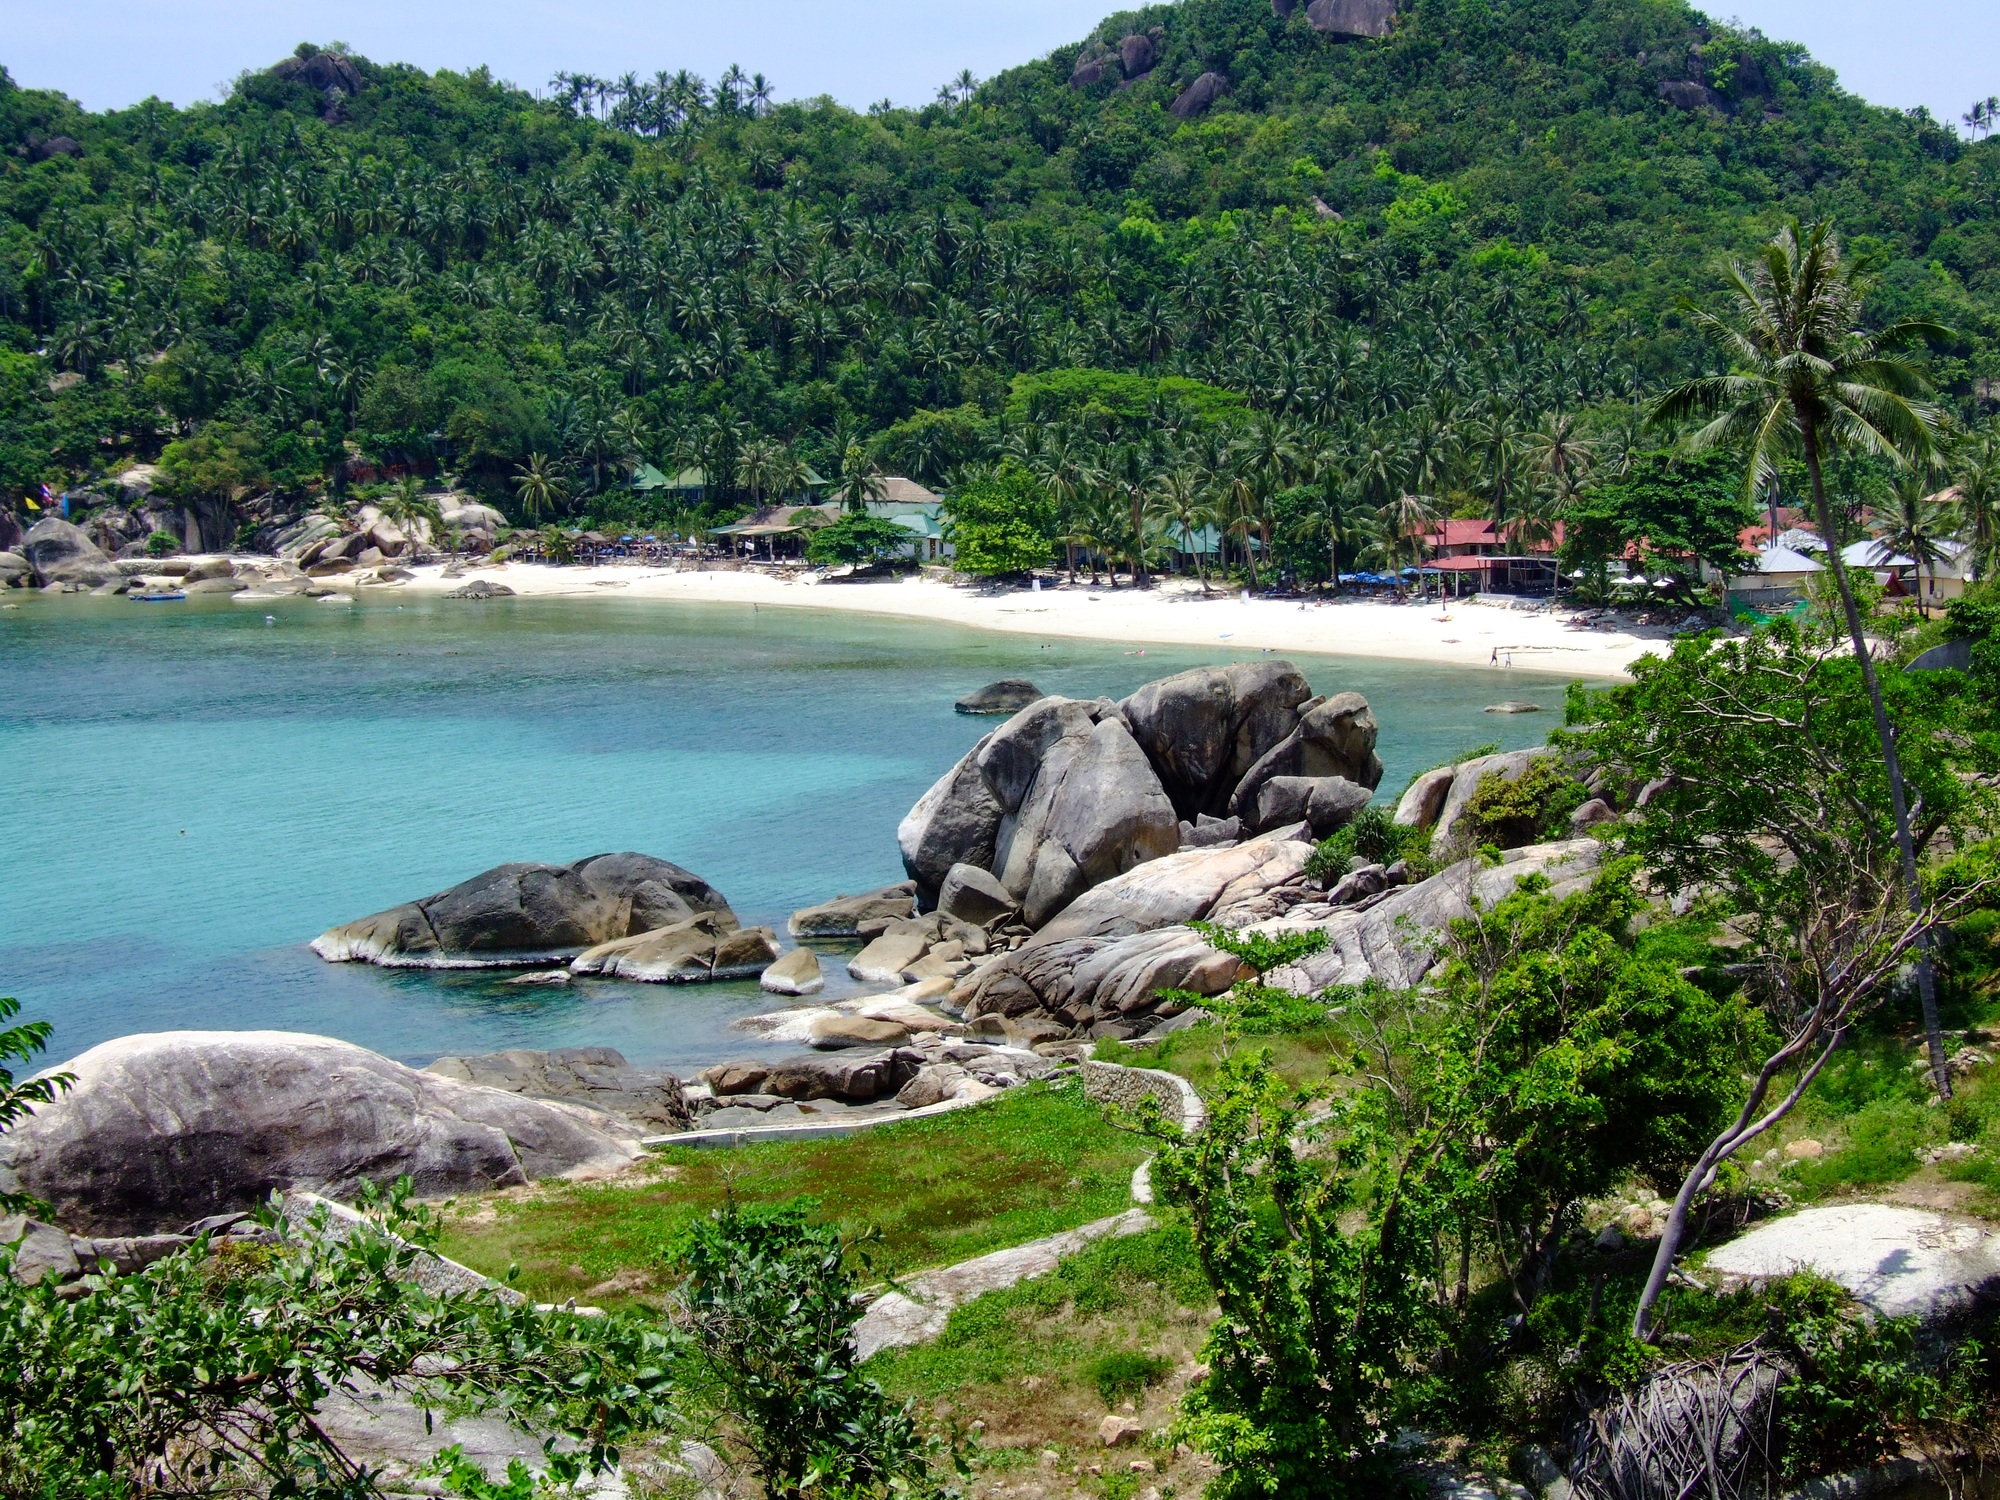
{"points": [[322, 71], [1136, 55], [522, 914], [1424, 799], [1390, 939], [1685, 93], [703, 948], [851, 1077], [61, 553], [1099, 967], [163, 1128], [1899, 1262], [843, 916], [594, 1076], [1204, 730], [1008, 696], [1334, 737], [481, 588], [955, 822], [976, 896], [1198, 96], [1352, 18]]}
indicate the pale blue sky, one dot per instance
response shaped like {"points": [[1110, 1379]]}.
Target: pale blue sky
{"points": [[1943, 53]]}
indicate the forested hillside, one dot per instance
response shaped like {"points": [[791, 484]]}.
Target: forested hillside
{"points": [[1417, 250]]}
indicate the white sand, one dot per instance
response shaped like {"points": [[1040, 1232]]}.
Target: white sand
{"points": [[1460, 633]]}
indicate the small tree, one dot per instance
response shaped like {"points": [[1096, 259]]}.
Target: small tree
{"points": [[23, 1043], [770, 1306], [855, 539], [1000, 524], [1768, 791]]}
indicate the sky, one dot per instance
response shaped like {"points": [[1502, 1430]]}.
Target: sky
{"points": [[111, 53]]}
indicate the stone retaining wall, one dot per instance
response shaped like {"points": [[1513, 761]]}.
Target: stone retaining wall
{"points": [[1112, 1083]]}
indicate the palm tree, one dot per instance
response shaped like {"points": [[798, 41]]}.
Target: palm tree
{"points": [[1809, 380], [860, 478], [1190, 509], [1916, 523], [1405, 522], [1976, 472], [412, 512], [539, 487]]}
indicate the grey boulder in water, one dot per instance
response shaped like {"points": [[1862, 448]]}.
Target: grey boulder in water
{"points": [[523, 914], [171, 1126]]}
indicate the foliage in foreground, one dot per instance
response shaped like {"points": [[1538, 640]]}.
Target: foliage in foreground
{"points": [[203, 1371], [770, 1307], [1338, 1227]]}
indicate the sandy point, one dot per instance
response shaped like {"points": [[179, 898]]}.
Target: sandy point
{"points": [[1173, 612]]}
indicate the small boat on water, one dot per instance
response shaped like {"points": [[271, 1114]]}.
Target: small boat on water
{"points": [[173, 598]]}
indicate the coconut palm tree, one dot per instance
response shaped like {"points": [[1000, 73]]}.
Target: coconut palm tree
{"points": [[1809, 380], [412, 512], [539, 487], [1189, 507], [1976, 497], [1915, 524], [860, 479]]}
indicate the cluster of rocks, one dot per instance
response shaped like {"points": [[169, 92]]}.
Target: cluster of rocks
{"points": [[1125, 61], [929, 1070], [1069, 794], [627, 916], [58, 556], [325, 547]]}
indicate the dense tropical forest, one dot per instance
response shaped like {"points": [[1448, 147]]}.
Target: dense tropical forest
{"points": [[1208, 263]]}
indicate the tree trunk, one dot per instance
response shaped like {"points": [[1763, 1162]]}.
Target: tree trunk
{"points": [[1886, 732]]}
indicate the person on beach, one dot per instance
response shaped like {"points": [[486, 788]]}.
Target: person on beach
{"points": [[1496, 658]]}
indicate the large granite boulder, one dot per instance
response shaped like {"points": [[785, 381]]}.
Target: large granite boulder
{"points": [[1198, 96], [163, 1128], [1899, 1262], [1352, 18], [1423, 799], [62, 553], [976, 896], [1093, 810], [528, 913], [595, 1076], [703, 948], [323, 71], [1056, 800], [843, 915], [1391, 939], [1136, 55], [955, 822], [797, 973], [1335, 737], [1205, 729], [844, 1075]]}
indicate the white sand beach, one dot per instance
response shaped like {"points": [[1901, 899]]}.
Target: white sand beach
{"points": [[1174, 612]]}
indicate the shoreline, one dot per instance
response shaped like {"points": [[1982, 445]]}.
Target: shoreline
{"points": [[1174, 612]]}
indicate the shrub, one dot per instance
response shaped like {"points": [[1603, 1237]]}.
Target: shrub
{"points": [[1373, 836], [1126, 1372], [1509, 814], [162, 544]]}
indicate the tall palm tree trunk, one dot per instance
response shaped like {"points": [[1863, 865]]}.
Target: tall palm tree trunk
{"points": [[1885, 731]]}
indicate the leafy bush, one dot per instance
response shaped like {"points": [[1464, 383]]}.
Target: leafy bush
{"points": [[771, 1308], [162, 544], [1263, 953], [1533, 806], [1375, 837], [1125, 1372]]}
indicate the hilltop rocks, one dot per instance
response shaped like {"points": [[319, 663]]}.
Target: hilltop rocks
{"points": [[1205, 729], [529, 913], [60, 553], [843, 916], [322, 71], [1352, 18], [1008, 696], [1198, 96], [707, 946], [1685, 93], [1136, 55], [594, 1076], [163, 1128]]}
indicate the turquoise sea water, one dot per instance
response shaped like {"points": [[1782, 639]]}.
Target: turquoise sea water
{"points": [[192, 792]]}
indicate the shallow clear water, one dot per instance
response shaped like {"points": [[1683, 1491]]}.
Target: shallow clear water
{"points": [[191, 792]]}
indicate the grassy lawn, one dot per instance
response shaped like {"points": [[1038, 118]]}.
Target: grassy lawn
{"points": [[1197, 1054], [1033, 1161]]}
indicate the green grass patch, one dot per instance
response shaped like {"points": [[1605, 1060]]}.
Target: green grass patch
{"points": [[1036, 1160], [1881, 1145], [1310, 1054], [1106, 1317]]}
